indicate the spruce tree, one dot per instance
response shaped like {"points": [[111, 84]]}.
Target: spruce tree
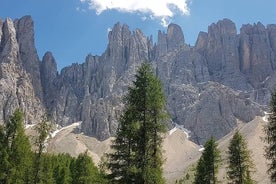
{"points": [[200, 175], [15, 151], [46, 171], [43, 130], [61, 167], [122, 160], [84, 171], [208, 164], [270, 138], [137, 156], [240, 165]]}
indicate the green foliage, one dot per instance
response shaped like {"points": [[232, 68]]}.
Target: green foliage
{"points": [[137, 156], [240, 166], [43, 130], [208, 164], [121, 162], [270, 138], [61, 168], [15, 151], [45, 172], [84, 171], [19, 165], [103, 169], [187, 176]]}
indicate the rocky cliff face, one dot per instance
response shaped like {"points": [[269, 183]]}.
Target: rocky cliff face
{"points": [[226, 76], [19, 71]]}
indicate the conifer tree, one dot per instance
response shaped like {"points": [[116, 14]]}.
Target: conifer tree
{"points": [[3, 156], [122, 160], [43, 130], [240, 165], [46, 171], [200, 175], [84, 171], [208, 164], [138, 155], [15, 151], [61, 168], [270, 138]]}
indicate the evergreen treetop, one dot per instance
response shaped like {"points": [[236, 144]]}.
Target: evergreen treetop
{"points": [[137, 156], [240, 165]]}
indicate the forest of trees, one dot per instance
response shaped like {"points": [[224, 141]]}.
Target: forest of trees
{"points": [[137, 156], [21, 165]]}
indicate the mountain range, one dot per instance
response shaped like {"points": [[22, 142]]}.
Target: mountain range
{"points": [[226, 77]]}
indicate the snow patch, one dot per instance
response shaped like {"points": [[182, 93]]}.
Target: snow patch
{"points": [[29, 126], [201, 149], [266, 79], [172, 131], [180, 127], [265, 117], [77, 124], [53, 134]]}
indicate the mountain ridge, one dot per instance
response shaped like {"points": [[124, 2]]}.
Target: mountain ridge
{"points": [[226, 76]]}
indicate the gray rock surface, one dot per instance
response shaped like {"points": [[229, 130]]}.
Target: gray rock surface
{"points": [[225, 77], [16, 85], [27, 51]]}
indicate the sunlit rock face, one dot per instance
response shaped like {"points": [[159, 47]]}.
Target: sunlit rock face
{"points": [[226, 76], [20, 85]]}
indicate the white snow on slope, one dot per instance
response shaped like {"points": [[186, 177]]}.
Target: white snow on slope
{"points": [[53, 134], [201, 149], [172, 131], [29, 126], [180, 127], [77, 124], [265, 117]]}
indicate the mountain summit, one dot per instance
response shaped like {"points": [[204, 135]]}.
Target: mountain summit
{"points": [[225, 77]]}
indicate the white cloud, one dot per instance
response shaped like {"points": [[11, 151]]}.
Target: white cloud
{"points": [[159, 9], [165, 21], [109, 29]]}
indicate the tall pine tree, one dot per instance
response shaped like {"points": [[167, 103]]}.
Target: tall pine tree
{"points": [[15, 151], [122, 162], [84, 171], [61, 164], [208, 164], [240, 165], [43, 130], [270, 138], [137, 156]]}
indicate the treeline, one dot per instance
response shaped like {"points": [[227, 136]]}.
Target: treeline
{"points": [[20, 165], [240, 167], [137, 148], [137, 156]]}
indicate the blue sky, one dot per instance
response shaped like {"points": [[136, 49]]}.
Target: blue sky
{"points": [[71, 29]]}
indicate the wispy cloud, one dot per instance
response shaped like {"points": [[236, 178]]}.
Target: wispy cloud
{"points": [[162, 10], [80, 9]]}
